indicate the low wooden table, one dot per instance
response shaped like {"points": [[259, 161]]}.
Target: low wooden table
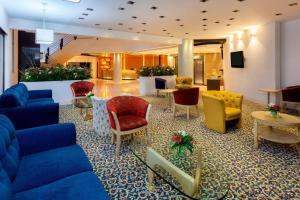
{"points": [[271, 133]]}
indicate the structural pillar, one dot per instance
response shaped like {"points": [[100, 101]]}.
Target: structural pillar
{"points": [[117, 67], [186, 58]]}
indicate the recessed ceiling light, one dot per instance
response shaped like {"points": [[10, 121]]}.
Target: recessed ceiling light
{"points": [[89, 9], [186, 33], [164, 30], [217, 22], [120, 24], [85, 14], [293, 4], [97, 24], [144, 23], [278, 14], [203, 1], [231, 19], [153, 8], [134, 17], [74, 1], [240, 0], [205, 29], [130, 2], [204, 25], [204, 11], [178, 20], [235, 11], [161, 16], [228, 24], [181, 25], [80, 17], [109, 29], [121, 8], [172, 36], [144, 30], [138, 32], [204, 19], [130, 28]]}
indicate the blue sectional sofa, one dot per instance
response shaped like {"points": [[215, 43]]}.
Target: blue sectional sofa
{"points": [[28, 109], [45, 163]]}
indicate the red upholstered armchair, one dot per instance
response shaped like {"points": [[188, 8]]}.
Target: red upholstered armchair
{"points": [[186, 98], [80, 88], [127, 115]]}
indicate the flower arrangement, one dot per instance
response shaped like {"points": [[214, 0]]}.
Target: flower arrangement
{"points": [[156, 71], [181, 141], [55, 73], [274, 109], [89, 96]]}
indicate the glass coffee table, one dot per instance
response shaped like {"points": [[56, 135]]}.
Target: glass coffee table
{"points": [[85, 107], [199, 175]]}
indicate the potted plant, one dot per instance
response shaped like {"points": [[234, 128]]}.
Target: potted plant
{"points": [[182, 141], [274, 109]]}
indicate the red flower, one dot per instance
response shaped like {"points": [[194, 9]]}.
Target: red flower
{"points": [[177, 138]]}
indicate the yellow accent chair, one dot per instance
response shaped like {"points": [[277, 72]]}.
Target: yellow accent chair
{"points": [[184, 82], [221, 106]]}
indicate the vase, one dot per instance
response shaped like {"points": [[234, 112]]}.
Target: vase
{"points": [[274, 114]]}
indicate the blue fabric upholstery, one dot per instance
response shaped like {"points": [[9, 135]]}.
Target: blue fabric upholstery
{"points": [[29, 108], [39, 94], [9, 148], [57, 163], [83, 186], [45, 163], [160, 83], [32, 141]]}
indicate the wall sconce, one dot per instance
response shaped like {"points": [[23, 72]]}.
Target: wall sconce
{"points": [[253, 31]]}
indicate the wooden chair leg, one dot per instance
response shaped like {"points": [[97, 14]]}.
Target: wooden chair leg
{"points": [[112, 138], [118, 145], [197, 110], [239, 124], [187, 113], [174, 111]]}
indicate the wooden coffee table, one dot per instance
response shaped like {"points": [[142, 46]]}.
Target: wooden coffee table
{"points": [[269, 131]]}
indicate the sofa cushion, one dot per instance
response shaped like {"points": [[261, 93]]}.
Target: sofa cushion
{"points": [[80, 186], [39, 101], [21, 90], [47, 166], [129, 122], [9, 147], [232, 113], [5, 185]]}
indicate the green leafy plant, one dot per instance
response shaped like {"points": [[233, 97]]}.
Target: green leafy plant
{"points": [[56, 73], [156, 71], [181, 141]]}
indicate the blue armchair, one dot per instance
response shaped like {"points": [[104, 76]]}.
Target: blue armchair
{"points": [[45, 163], [160, 84], [28, 109]]}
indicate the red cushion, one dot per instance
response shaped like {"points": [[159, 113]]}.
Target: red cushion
{"points": [[80, 88], [187, 96], [129, 122]]}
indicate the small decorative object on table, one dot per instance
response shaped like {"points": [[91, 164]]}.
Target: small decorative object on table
{"points": [[89, 97], [274, 109], [182, 141]]}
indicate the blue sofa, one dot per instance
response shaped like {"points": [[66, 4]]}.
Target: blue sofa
{"points": [[28, 109], [45, 163]]}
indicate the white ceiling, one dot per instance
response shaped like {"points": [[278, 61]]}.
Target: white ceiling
{"points": [[107, 14]]}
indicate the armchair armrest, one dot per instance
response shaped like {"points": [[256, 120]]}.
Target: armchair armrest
{"points": [[35, 94], [214, 112], [33, 115], [43, 138]]}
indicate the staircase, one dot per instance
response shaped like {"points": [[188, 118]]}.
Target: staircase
{"points": [[57, 46]]}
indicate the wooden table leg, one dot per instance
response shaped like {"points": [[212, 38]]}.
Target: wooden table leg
{"points": [[255, 132], [150, 185]]}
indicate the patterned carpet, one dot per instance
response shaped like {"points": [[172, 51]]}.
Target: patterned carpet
{"points": [[271, 172]]}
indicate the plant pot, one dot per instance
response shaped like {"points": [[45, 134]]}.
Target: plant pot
{"points": [[274, 114]]}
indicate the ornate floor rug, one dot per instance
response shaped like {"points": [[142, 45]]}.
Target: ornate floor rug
{"points": [[270, 172]]}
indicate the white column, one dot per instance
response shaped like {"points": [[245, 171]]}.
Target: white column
{"points": [[117, 67], [186, 58]]}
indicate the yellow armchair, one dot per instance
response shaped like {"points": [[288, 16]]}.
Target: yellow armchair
{"points": [[221, 106], [184, 82]]}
